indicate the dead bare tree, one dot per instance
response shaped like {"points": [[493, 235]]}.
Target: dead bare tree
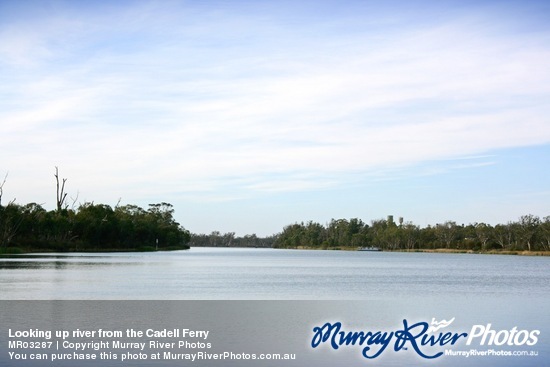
{"points": [[2, 188], [61, 195]]}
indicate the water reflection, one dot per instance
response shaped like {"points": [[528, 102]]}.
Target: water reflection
{"points": [[56, 261], [55, 264], [272, 274]]}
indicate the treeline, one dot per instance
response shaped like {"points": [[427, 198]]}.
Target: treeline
{"points": [[91, 227], [217, 239], [528, 233]]}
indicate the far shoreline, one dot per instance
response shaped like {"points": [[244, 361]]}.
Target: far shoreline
{"points": [[19, 251], [488, 252], [436, 250], [143, 249]]}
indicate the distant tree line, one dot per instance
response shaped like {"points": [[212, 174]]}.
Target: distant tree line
{"points": [[528, 233], [89, 227], [217, 239]]}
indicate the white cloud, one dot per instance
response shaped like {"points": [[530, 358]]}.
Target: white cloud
{"points": [[182, 106]]}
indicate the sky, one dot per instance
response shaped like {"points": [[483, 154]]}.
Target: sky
{"points": [[248, 116]]}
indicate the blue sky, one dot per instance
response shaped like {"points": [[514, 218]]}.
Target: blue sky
{"points": [[251, 115]]}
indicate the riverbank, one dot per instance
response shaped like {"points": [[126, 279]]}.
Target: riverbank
{"points": [[17, 250], [489, 252], [20, 251], [439, 250]]}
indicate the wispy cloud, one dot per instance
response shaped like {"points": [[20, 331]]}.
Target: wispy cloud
{"points": [[179, 98]]}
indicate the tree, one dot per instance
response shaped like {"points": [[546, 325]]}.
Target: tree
{"points": [[214, 239], [392, 236], [545, 233], [446, 232], [163, 212], [484, 233], [10, 221], [338, 233], [228, 238], [376, 232], [355, 227], [314, 234], [291, 236], [251, 240], [504, 234], [410, 233], [31, 230], [97, 225], [61, 194], [528, 225], [2, 188]]}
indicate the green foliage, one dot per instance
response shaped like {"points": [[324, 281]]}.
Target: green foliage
{"points": [[216, 239], [528, 233], [91, 227], [10, 250]]}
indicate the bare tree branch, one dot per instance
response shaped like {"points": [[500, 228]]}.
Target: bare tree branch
{"points": [[2, 187], [74, 200], [61, 195]]}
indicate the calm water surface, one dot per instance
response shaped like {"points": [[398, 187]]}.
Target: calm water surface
{"points": [[222, 273], [376, 290]]}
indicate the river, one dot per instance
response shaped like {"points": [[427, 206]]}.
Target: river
{"points": [[253, 298], [234, 273]]}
